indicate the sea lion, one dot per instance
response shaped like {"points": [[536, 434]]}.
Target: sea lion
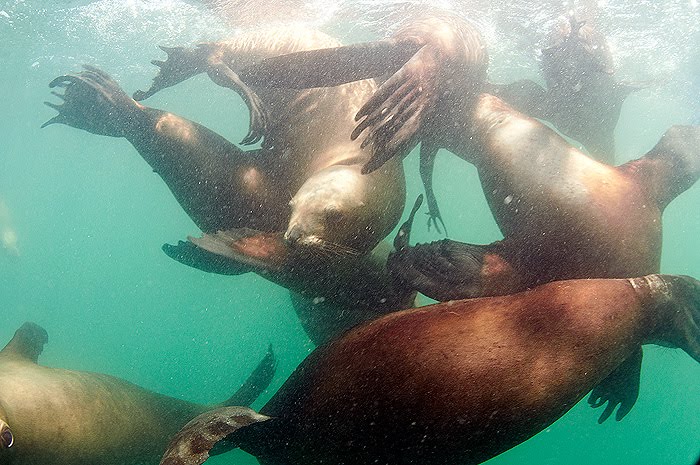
{"points": [[336, 216], [8, 235], [68, 417], [582, 99], [437, 64], [453, 383], [563, 216], [428, 64]]}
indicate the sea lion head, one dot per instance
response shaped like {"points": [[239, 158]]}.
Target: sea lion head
{"points": [[576, 52], [330, 214]]}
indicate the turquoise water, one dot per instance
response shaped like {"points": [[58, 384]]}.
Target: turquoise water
{"points": [[90, 217]]}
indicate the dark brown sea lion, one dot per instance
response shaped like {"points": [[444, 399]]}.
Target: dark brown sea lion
{"points": [[302, 193], [582, 98], [453, 383], [56, 416]]}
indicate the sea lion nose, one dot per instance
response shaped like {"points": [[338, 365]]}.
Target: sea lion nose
{"points": [[293, 235]]}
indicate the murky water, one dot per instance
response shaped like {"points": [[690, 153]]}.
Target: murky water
{"points": [[83, 217]]}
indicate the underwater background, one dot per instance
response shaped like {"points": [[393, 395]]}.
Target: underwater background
{"points": [[83, 217]]}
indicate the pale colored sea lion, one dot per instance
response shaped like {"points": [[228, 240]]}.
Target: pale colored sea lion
{"points": [[453, 383], [67, 417], [8, 235]]}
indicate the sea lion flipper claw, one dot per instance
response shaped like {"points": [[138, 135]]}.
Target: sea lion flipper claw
{"points": [[619, 390], [401, 241], [193, 443]]}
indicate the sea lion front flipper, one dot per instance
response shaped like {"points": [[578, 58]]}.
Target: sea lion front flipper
{"points": [[395, 114], [256, 383], [428, 152], [450, 270], [28, 342], [94, 102], [263, 252], [194, 442], [331, 66], [196, 257], [621, 388]]}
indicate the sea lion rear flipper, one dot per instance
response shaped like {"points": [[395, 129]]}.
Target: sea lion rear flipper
{"points": [[439, 270], [621, 387], [28, 342], [223, 75], [182, 63], [256, 383], [93, 102], [428, 152], [193, 444], [395, 114], [450, 270]]}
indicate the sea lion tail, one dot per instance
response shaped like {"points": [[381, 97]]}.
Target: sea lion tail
{"points": [[403, 237], [257, 382], [210, 433]]}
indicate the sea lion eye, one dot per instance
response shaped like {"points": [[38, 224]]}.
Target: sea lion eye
{"points": [[7, 439], [332, 212]]}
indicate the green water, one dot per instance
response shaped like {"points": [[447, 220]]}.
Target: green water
{"points": [[90, 218]]}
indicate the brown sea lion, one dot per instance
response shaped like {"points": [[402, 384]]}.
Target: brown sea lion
{"points": [[563, 216], [453, 383], [56, 416], [298, 201]]}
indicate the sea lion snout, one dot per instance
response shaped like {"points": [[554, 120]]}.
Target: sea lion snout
{"points": [[293, 235]]}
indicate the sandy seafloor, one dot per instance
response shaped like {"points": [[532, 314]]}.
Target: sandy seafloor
{"points": [[90, 216]]}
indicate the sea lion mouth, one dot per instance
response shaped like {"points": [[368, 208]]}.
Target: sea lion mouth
{"points": [[321, 247]]}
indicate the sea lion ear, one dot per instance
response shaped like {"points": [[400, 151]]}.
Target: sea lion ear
{"points": [[28, 342]]}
